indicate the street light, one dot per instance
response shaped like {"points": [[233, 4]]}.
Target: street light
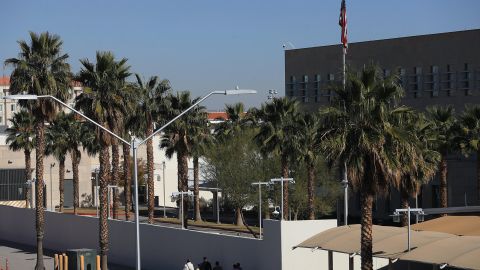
{"points": [[420, 216], [51, 188], [281, 180], [181, 193], [164, 206], [134, 144], [259, 184]]}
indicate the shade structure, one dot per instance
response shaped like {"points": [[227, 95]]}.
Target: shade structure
{"points": [[391, 243], [459, 225], [457, 251]]}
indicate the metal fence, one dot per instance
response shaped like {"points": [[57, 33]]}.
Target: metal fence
{"points": [[12, 184]]}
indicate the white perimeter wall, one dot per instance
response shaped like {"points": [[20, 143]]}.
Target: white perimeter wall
{"points": [[167, 248]]}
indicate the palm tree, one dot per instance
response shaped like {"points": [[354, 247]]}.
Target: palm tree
{"points": [[419, 163], [20, 137], [129, 125], [151, 96], [57, 145], [277, 131], [470, 123], [40, 69], [102, 101], [359, 129], [177, 138], [307, 144], [444, 122], [201, 139]]}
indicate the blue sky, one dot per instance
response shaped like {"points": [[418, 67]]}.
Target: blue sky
{"points": [[218, 44]]}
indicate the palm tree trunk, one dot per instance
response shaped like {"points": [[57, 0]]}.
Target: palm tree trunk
{"points": [[311, 191], [284, 162], [443, 183], [182, 160], [196, 189], [28, 176], [127, 178], [39, 211], [61, 183], [115, 176], [76, 182], [103, 225], [478, 175], [150, 184], [404, 204], [366, 229]]}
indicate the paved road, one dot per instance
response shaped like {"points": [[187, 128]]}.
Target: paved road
{"points": [[22, 257]]}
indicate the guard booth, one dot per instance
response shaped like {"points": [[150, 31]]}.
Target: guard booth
{"points": [[89, 259]]}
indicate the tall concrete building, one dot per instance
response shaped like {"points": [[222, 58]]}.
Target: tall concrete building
{"points": [[436, 69]]}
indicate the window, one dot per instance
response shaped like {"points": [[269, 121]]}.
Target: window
{"points": [[1, 120], [331, 77], [305, 78], [12, 108], [1, 107]]}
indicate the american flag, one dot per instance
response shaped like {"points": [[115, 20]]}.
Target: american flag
{"points": [[342, 21]]}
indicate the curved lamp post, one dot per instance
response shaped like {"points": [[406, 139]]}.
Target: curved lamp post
{"points": [[134, 144]]}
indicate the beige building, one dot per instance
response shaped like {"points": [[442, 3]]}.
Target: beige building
{"points": [[12, 166]]}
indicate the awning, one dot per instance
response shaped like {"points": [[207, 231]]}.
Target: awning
{"points": [[459, 225], [391, 243]]}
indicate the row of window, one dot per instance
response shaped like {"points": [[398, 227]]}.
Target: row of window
{"points": [[416, 82], [13, 107]]}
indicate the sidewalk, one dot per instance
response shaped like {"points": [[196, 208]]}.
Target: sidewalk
{"points": [[21, 257]]}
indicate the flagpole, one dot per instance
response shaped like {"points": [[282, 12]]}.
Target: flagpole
{"points": [[344, 180]]}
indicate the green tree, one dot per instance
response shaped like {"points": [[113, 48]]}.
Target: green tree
{"points": [[20, 136], [234, 164], [151, 97], [419, 162], [201, 139], [177, 139], [40, 69], [307, 145], [444, 121], [102, 100], [470, 130], [359, 129], [277, 133], [57, 145], [325, 185]]}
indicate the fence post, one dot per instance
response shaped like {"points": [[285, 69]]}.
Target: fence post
{"points": [[55, 262], [60, 262], [66, 263], [98, 262], [82, 263]]}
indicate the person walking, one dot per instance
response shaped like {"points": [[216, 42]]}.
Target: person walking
{"points": [[205, 264], [217, 266], [188, 266]]}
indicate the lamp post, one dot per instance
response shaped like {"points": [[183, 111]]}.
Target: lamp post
{"points": [[281, 180], [181, 193], [164, 207], [345, 194], [259, 184], [51, 187], [420, 216], [134, 144]]}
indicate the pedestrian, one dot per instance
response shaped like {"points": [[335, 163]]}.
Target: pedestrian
{"points": [[188, 266], [205, 264], [217, 266]]}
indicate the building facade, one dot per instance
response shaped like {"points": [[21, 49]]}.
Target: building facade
{"points": [[436, 69]]}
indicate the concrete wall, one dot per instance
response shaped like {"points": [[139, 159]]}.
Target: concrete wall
{"points": [[168, 248]]}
